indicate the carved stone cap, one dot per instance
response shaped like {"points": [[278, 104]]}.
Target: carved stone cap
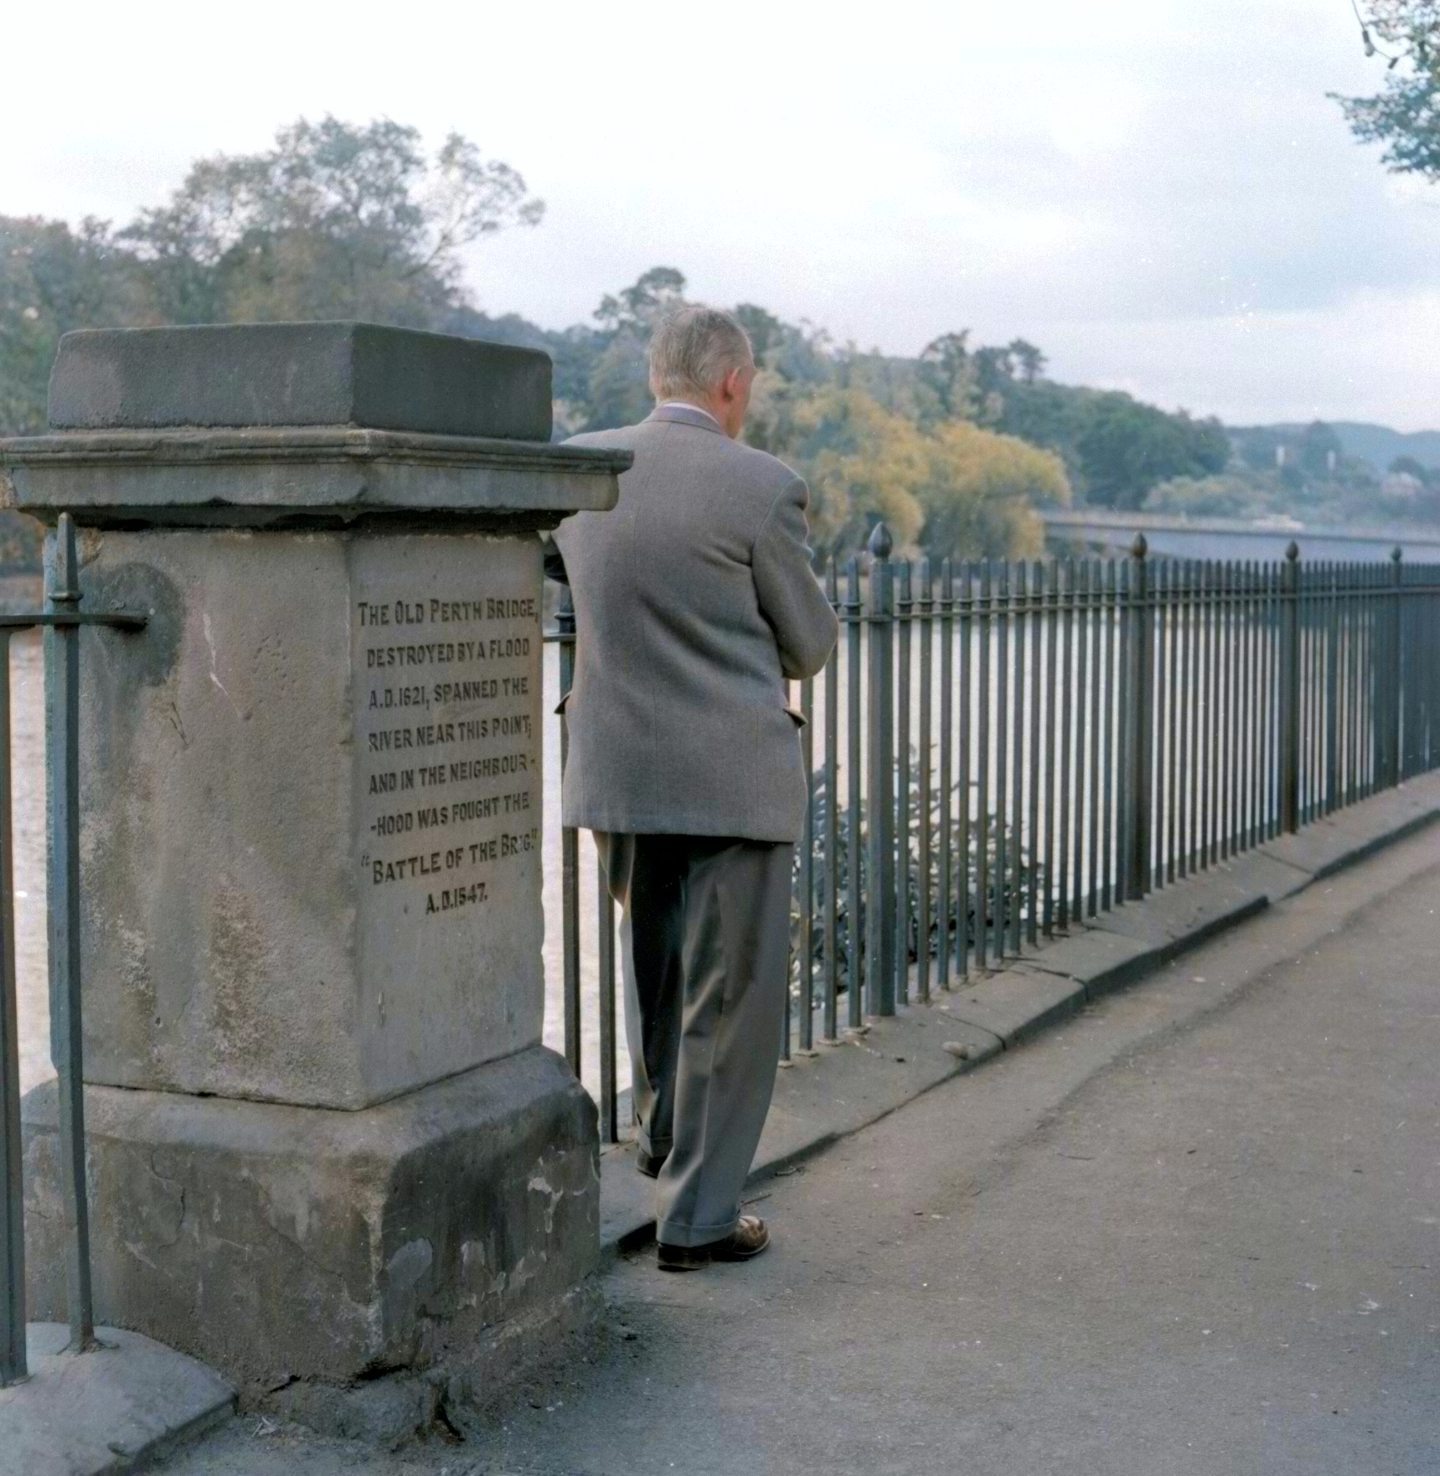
{"points": [[309, 476], [301, 425], [293, 374]]}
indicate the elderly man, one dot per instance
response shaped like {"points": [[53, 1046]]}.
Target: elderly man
{"points": [[694, 600]]}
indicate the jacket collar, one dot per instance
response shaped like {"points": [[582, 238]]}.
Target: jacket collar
{"points": [[686, 415]]}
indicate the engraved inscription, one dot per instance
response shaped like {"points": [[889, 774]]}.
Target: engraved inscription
{"points": [[448, 747]]}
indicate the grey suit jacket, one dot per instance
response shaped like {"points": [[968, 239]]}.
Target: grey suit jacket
{"points": [[694, 600]]}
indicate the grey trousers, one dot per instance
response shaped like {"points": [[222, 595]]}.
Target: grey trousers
{"points": [[705, 939]]}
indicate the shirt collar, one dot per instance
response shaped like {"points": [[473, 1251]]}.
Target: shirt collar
{"points": [[686, 406]]}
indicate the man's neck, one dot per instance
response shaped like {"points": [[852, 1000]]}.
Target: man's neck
{"points": [[689, 405]]}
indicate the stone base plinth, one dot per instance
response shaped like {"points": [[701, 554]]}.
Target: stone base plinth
{"points": [[281, 1242]]}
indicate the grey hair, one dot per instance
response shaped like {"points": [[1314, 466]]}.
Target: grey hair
{"points": [[692, 350]]}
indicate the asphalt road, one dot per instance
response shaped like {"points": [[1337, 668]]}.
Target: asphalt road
{"points": [[1194, 1230]]}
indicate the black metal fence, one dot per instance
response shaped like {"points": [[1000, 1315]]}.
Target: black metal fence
{"points": [[998, 751], [61, 620]]}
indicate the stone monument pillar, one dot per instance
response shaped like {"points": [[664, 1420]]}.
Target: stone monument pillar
{"points": [[325, 1140]]}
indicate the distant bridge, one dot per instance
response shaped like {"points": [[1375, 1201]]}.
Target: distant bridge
{"points": [[1229, 538]]}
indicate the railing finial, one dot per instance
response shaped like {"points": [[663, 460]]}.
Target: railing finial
{"points": [[880, 543], [1396, 554], [1140, 547], [1292, 551], [64, 582]]}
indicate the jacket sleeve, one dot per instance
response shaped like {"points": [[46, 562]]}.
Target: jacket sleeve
{"points": [[790, 596]]}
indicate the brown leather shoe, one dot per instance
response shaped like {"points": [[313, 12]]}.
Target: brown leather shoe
{"points": [[744, 1242]]}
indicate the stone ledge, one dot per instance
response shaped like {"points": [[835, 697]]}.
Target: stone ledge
{"points": [[331, 475], [1016, 1002], [1184, 913], [191, 446], [126, 1403], [1098, 960], [1340, 840]]}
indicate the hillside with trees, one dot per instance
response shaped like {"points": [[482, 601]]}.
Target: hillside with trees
{"points": [[1312, 474], [956, 448]]}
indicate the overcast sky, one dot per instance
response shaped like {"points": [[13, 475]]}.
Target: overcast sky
{"points": [[1157, 192]]}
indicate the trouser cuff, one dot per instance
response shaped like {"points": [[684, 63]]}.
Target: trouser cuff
{"points": [[669, 1232]]}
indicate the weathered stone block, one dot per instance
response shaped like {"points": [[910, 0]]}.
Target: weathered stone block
{"points": [[294, 374], [285, 1242], [310, 847]]}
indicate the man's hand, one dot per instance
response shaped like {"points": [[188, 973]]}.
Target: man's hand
{"points": [[791, 599]]}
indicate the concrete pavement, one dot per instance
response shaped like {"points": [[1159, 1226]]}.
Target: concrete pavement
{"points": [[88, 1414], [1193, 1229]]}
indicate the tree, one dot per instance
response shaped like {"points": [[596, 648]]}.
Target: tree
{"points": [[618, 381], [864, 463], [618, 390], [53, 279], [1320, 450], [980, 492], [1408, 466], [1125, 448], [1405, 115], [766, 332], [1029, 362], [793, 360], [958, 489], [1003, 375], [997, 369], [638, 306], [947, 370], [1240, 494], [336, 221], [777, 404]]}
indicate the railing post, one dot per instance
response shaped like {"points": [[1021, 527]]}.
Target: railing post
{"points": [[13, 1366], [1290, 690], [1139, 720], [605, 961], [948, 886], [880, 930], [807, 874], [852, 616], [925, 605], [904, 616], [831, 1026], [569, 848], [62, 740], [1395, 696]]}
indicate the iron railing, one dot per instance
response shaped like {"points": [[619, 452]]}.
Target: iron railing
{"points": [[1008, 749], [61, 621]]}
